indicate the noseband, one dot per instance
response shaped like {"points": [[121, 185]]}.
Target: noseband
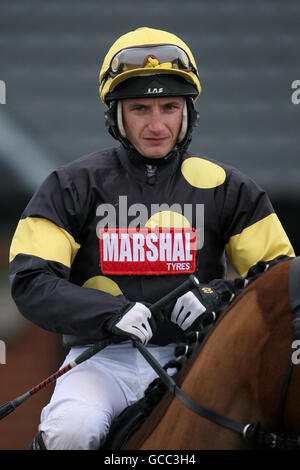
{"points": [[252, 433]]}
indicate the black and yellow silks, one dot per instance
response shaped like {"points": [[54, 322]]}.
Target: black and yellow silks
{"points": [[55, 250]]}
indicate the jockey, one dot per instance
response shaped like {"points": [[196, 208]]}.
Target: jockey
{"points": [[112, 232]]}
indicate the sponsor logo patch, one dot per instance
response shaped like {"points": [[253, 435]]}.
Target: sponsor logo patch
{"points": [[147, 251]]}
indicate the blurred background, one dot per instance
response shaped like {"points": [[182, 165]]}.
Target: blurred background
{"points": [[50, 55]]}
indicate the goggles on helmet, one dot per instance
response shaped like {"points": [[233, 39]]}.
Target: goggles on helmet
{"points": [[150, 56]]}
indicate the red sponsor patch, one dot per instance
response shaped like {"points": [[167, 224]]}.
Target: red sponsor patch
{"points": [[147, 251]]}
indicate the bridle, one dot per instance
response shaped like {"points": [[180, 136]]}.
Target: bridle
{"points": [[252, 433]]}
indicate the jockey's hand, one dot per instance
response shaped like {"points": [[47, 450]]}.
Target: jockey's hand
{"points": [[190, 306], [136, 322]]}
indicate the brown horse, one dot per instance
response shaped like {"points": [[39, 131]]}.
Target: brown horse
{"points": [[237, 372]]}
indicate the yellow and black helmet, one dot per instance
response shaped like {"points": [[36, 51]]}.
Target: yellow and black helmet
{"points": [[145, 52], [149, 63]]}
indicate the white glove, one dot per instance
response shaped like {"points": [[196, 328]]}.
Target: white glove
{"points": [[136, 322], [186, 310]]}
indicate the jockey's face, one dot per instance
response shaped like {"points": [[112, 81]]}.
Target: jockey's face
{"points": [[152, 125]]}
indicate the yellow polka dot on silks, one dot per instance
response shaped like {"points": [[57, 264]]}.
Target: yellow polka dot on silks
{"points": [[104, 284], [202, 174], [167, 219]]}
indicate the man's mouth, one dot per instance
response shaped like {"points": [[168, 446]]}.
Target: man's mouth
{"points": [[155, 140]]}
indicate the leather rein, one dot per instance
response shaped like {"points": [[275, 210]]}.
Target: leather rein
{"points": [[250, 432]]}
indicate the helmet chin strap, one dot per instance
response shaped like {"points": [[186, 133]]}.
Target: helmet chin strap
{"points": [[181, 134], [120, 119], [184, 123]]}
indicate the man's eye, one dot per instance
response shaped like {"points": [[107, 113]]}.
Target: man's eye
{"points": [[138, 108], [171, 106]]}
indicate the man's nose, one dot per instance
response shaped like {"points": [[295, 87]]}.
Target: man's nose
{"points": [[156, 124]]}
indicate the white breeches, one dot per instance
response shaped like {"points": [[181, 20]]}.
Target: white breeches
{"points": [[89, 397]]}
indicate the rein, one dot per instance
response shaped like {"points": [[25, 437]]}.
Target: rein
{"points": [[250, 432]]}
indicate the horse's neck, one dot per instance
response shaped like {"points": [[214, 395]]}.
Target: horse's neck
{"points": [[217, 380], [229, 375], [227, 370], [247, 351]]}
